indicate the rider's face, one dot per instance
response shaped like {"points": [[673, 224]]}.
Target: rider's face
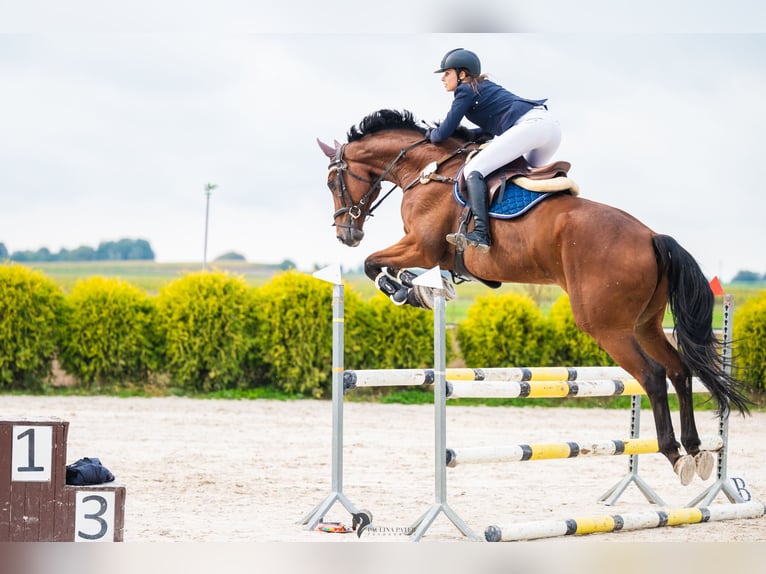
{"points": [[449, 79]]}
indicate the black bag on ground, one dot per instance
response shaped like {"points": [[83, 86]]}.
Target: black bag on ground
{"points": [[87, 471]]}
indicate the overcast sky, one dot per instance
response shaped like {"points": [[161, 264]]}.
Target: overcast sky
{"points": [[113, 132]]}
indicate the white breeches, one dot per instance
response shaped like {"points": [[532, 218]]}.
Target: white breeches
{"points": [[536, 136]]}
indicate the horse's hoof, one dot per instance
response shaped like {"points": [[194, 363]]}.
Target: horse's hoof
{"points": [[406, 277], [704, 461], [685, 468], [422, 297], [450, 294], [400, 297]]}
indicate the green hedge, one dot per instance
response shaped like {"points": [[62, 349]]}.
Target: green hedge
{"points": [[294, 335], [210, 331], [108, 335], [506, 330], [749, 336], [570, 346], [31, 310], [391, 337], [206, 324], [295, 341], [510, 331]]}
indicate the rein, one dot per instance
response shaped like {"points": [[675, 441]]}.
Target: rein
{"points": [[356, 210]]}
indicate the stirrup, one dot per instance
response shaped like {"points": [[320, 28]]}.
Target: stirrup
{"points": [[458, 240], [480, 243]]}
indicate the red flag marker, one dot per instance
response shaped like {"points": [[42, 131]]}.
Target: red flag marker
{"points": [[715, 286]]}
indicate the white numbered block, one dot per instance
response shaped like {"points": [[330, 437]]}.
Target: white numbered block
{"points": [[32, 479], [94, 515], [32, 453]]}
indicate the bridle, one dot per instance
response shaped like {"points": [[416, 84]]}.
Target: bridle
{"points": [[356, 210]]}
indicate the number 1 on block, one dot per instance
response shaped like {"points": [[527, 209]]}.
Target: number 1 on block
{"points": [[32, 453]]}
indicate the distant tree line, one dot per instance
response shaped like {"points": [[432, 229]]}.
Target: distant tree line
{"points": [[748, 277], [122, 250]]}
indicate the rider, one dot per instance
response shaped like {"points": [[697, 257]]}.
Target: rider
{"points": [[518, 126]]}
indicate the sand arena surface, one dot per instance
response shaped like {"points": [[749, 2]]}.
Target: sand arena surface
{"points": [[219, 470]]}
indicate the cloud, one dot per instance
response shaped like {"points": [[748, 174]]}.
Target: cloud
{"points": [[115, 135]]}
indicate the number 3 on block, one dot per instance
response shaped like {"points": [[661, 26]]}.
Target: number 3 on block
{"points": [[94, 516]]}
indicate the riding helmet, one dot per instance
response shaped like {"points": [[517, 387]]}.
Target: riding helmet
{"points": [[460, 58]]}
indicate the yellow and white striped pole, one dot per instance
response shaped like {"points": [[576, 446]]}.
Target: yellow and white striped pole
{"points": [[622, 522]]}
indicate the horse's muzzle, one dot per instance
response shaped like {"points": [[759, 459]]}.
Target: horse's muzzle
{"points": [[350, 236]]}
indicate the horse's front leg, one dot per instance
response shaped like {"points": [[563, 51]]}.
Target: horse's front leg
{"points": [[387, 269], [391, 286]]}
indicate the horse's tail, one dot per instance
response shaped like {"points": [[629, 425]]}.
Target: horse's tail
{"points": [[691, 303]]}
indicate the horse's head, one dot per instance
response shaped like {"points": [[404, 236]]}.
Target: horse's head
{"points": [[354, 188], [355, 177]]}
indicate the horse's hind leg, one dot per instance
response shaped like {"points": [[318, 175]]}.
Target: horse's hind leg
{"points": [[654, 341], [625, 349]]}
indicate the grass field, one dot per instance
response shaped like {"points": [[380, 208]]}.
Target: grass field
{"points": [[152, 276], [148, 275]]}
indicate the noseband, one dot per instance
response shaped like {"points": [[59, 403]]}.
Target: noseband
{"points": [[356, 210]]}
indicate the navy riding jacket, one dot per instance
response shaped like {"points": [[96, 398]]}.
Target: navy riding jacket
{"points": [[494, 109]]}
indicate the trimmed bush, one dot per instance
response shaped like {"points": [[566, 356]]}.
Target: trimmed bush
{"points": [[206, 323], [504, 331], [31, 308], [108, 338], [390, 337], [294, 336], [569, 346], [750, 342]]}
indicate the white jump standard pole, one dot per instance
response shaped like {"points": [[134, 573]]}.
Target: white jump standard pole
{"points": [[722, 483], [336, 494], [433, 280]]}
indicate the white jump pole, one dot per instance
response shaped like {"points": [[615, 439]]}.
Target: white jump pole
{"points": [[547, 451], [433, 280], [333, 275], [722, 483], [621, 522]]}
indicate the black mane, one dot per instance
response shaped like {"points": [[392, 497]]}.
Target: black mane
{"points": [[394, 120], [385, 120]]}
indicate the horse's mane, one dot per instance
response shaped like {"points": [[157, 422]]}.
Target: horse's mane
{"points": [[395, 120]]}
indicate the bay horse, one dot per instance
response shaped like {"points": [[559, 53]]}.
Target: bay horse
{"points": [[619, 274]]}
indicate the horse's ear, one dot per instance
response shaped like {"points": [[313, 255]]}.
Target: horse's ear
{"points": [[328, 150]]}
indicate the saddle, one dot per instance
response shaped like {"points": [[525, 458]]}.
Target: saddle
{"points": [[527, 186], [544, 179]]}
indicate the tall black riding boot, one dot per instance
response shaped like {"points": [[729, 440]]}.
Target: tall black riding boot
{"points": [[478, 197]]}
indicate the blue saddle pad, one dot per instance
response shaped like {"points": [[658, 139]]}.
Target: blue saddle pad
{"points": [[515, 201]]}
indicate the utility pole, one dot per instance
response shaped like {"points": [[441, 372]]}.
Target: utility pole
{"points": [[208, 190]]}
